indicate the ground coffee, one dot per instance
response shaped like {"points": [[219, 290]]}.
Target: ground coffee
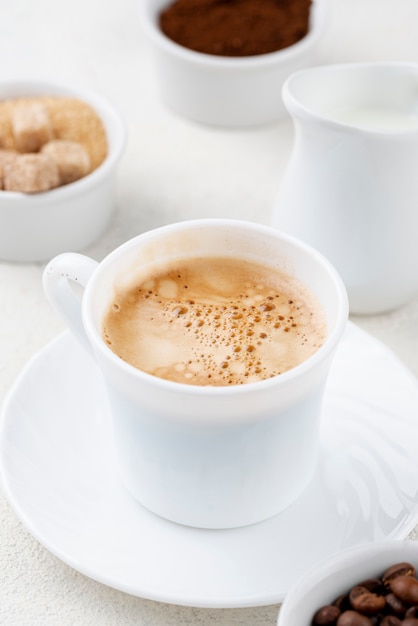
{"points": [[236, 27]]}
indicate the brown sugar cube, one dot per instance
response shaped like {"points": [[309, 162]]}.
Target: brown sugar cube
{"points": [[6, 156], [71, 157], [31, 173], [31, 125]]}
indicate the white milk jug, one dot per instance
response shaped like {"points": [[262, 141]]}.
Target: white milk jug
{"points": [[351, 186]]}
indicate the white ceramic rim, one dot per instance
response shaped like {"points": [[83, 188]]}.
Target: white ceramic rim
{"points": [[305, 112], [317, 23], [321, 354], [33, 87], [338, 562]]}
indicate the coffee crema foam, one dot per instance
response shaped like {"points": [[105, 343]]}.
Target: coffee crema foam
{"points": [[215, 321]]}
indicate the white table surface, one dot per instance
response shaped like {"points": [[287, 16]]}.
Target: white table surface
{"points": [[172, 169]]}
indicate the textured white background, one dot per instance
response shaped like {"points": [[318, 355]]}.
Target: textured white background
{"points": [[171, 170]]}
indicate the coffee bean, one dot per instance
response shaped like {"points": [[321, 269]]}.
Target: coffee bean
{"points": [[399, 569], [352, 618], [411, 612], [396, 605], [369, 603], [391, 620], [342, 602], [406, 588], [410, 621], [326, 616], [374, 585]]}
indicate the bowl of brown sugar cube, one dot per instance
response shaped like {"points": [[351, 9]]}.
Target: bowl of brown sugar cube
{"points": [[368, 585], [59, 151]]}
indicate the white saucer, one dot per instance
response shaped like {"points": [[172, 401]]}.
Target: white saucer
{"points": [[57, 468]]}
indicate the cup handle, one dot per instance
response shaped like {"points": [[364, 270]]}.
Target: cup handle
{"points": [[64, 280]]}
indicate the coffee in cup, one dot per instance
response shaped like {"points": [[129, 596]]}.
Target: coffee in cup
{"points": [[214, 321]]}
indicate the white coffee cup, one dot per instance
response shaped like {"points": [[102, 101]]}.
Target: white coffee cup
{"points": [[206, 456]]}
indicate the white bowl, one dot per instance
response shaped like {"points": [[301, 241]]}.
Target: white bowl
{"points": [[338, 574], [35, 227], [226, 91]]}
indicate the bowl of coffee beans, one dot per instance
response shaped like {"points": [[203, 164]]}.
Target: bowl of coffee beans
{"points": [[59, 150], [371, 585], [223, 62]]}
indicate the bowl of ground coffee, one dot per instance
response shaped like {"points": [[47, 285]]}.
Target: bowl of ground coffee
{"points": [[59, 150], [369, 585], [224, 62]]}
